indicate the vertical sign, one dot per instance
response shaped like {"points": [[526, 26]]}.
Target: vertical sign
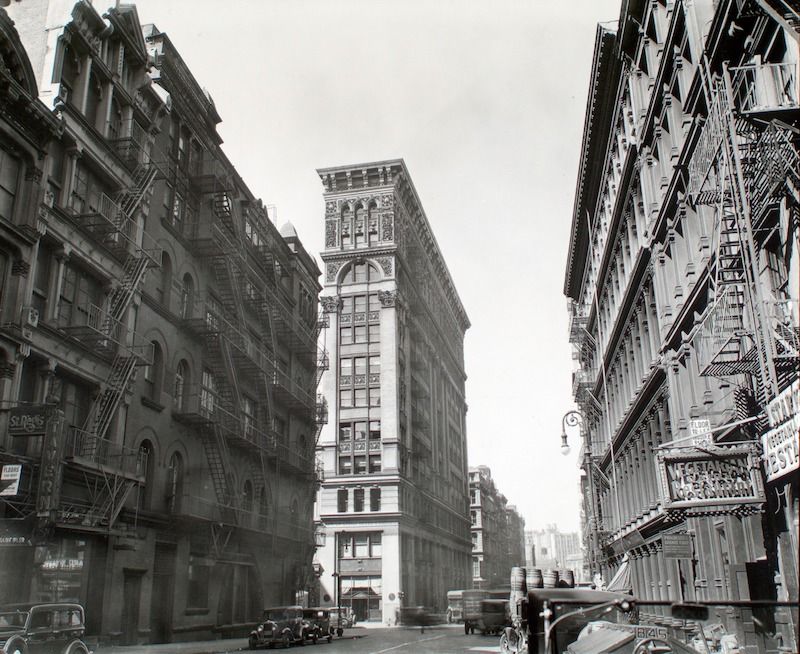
{"points": [[52, 468], [781, 451], [699, 430]]}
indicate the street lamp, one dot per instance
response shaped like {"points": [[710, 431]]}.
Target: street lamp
{"points": [[574, 418]]}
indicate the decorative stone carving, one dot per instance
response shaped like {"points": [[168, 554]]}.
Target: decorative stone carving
{"points": [[331, 269], [20, 268], [387, 298], [34, 174], [330, 233], [387, 201], [387, 227], [7, 369], [330, 303], [386, 264]]}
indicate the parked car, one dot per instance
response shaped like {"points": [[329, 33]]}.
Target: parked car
{"points": [[281, 625], [495, 616], [54, 628], [319, 624]]}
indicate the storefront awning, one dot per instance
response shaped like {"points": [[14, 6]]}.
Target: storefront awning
{"points": [[621, 582]]}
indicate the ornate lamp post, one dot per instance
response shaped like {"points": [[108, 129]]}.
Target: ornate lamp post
{"points": [[574, 418]]}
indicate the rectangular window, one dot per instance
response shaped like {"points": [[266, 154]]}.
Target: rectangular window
{"points": [[9, 177], [347, 304], [375, 430], [341, 500], [346, 398], [358, 500], [345, 432], [360, 463], [374, 499], [374, 463], [359, 303], [361, 546], [375, 549], [374, 333], [360, 397], [345, 465], [374, 396], [476, 568], [346, 336], [197, 595], [360, 365], [360, 334], [374, 302]]}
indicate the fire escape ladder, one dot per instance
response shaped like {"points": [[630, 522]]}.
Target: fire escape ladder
{"points": [[135, 269], [130, 199], [108, 503], [218, 458], [109, 398]]}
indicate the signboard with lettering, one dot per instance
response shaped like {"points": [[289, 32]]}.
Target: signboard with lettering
{"points": [[52, 469], [696, 478], [700, 431], [781, 449], [9, 479], [28, 420], [677, 546]]}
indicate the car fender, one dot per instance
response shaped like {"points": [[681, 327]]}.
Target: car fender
{"points": [[15, 641], [76, 647]]}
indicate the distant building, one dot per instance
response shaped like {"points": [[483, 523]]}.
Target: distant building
{"points": [[498, 532], [550, 548], [393, 506]]}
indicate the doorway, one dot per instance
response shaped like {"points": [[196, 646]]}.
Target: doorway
{"points": [[161, 601], [131, 598]]}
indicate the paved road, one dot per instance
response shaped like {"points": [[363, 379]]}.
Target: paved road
{"points": [[436, 640]]}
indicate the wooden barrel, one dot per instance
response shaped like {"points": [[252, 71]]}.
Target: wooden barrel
{"points": [[518, 579], [550, 579], [533, 578], [567, 578]]}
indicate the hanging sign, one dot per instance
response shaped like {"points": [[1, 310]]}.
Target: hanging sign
{"points": [[677, 546], [700, 430], [9, 479], [27, 421], [695, 479], [781, 451]]}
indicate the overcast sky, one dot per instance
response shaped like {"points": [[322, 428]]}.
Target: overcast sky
{"points": [[485, 102]]}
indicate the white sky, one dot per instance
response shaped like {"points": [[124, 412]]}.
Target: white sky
{"points": [[485, 102]]}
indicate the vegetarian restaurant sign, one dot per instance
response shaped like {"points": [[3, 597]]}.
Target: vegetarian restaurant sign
{"points": [[780, 443], [697, 478]]}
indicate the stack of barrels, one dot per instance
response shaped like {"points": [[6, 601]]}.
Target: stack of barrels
{"points": [[519, 590]]}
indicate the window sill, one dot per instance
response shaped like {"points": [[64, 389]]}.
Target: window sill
{"points": [[152, 404]]}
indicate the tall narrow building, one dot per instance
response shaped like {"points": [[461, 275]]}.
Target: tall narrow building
{"points": [[393, 507]]}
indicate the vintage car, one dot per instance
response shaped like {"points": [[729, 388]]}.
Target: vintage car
{"points": [[495, 616], [319, 624], [54, 628], [281, 625]]}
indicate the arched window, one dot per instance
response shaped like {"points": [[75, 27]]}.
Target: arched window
{"points": [[359, 272], [174, 489], [247, 495], [146, 465], [208, 392], [164, 281], [153, 374], [181, 379], [187, 296], [360, 227]]}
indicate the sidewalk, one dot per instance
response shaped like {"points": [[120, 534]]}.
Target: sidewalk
{"points": [[195, 647]]}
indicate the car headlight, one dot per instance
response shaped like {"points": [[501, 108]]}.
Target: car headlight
{"points": [[260, 628]]}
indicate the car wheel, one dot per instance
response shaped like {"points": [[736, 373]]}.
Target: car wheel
{"points": [[77, 648], [16, 646], [287, 641], [252, 643]]}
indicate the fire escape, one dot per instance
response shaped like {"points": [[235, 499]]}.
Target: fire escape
{"points": [[240, 323], [745, 165], [111, 471]]}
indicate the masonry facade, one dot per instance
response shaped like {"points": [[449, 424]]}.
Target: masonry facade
{"points": [[394, 504], [498, 532], [683, 279], [159, 339]]}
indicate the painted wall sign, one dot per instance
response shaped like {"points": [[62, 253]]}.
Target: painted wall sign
{"points": [[700, 478], [9, 479], [677, 546], [28, 421], [781, 448]]}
